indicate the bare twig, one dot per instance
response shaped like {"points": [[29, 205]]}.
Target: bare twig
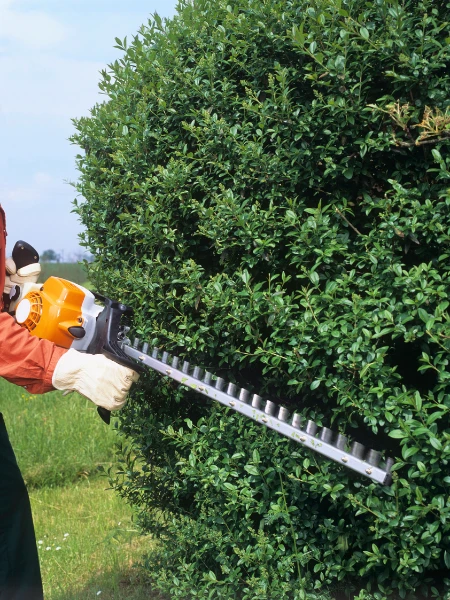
{"points": [[348, 222], [421, 143]]}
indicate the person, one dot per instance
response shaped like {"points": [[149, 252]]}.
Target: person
{"points": [[39, 366]]}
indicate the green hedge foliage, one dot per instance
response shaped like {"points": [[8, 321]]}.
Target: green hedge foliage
{"points": [[267, 184]]}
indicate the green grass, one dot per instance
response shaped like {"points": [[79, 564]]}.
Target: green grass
{"points": [[57, 438], [75, 272], [87, 543], [59, 443]]}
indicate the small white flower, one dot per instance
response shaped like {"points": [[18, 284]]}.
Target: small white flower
{"points": [[48, 548], [58, 548], [40, 542], [119, 523], [66, 535], [99, 592]]}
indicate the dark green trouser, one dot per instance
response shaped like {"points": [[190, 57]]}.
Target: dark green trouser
{"points": [[20, 577]]}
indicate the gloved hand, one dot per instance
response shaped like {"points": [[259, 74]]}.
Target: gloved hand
{"points": [[98, 378], [16, 278]]}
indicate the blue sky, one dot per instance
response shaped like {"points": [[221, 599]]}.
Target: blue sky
{"points": [[51, 52]]}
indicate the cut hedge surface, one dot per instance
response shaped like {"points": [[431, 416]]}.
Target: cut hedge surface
{"points": [[267, 184]]}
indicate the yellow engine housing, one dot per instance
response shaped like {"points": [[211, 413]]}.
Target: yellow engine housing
{"points": [[60, 311]]}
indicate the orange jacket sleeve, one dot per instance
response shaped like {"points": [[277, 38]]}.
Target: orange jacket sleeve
{"points": [[26, 360]]}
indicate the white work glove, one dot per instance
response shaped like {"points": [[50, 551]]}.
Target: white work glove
{"points": [[16, 278], [98, 378]]}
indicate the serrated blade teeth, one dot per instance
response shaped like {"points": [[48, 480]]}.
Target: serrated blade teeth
{"points": [[373, 457], [296, 420], [326, 435], [341, 441], [231, 389], [365, 460], [256, 401], [389, 464], [357, 450], [244, 395], [311, 428], [197, 373], [270, 407], [283, 414]]}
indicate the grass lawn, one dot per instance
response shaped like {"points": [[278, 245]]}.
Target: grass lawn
{"points": [[88, 544]]}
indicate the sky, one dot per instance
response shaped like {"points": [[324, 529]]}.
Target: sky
{"points": [[51, 52]]}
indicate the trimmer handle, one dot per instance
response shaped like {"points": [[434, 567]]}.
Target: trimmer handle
{"points": [[105, 414], [24, 254], [106, 340]]}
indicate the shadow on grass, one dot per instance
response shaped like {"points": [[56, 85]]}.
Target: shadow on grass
{"points": [[110, 585]]}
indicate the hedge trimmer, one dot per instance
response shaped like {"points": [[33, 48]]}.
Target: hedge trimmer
{"points": [[72, 316]]}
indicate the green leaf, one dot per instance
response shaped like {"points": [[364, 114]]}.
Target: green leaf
{"points": [[435, 443], [298, 35], [429, 324], [365, 369], [229, 486], [421, 431], [364, 33], [435, 416], [315, 384], [314, 277], [397, 433], [442, 307], [251, 469], [423, 315], [407, 452], [436, 155], [419, 495], [434, 527], [418, 401]]}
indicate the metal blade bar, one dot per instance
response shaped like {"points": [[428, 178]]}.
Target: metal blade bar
{"points": [[252, 409]]}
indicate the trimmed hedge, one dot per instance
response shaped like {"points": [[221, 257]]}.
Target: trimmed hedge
{"points": [[267, 185]]}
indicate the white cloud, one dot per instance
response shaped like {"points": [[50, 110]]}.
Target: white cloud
{"points": [[34, 28], [46, 85], [51, 53], [42, 188], [38, 211]]}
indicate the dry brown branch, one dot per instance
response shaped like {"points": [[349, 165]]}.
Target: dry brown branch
{"points": [[347, 221]]}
